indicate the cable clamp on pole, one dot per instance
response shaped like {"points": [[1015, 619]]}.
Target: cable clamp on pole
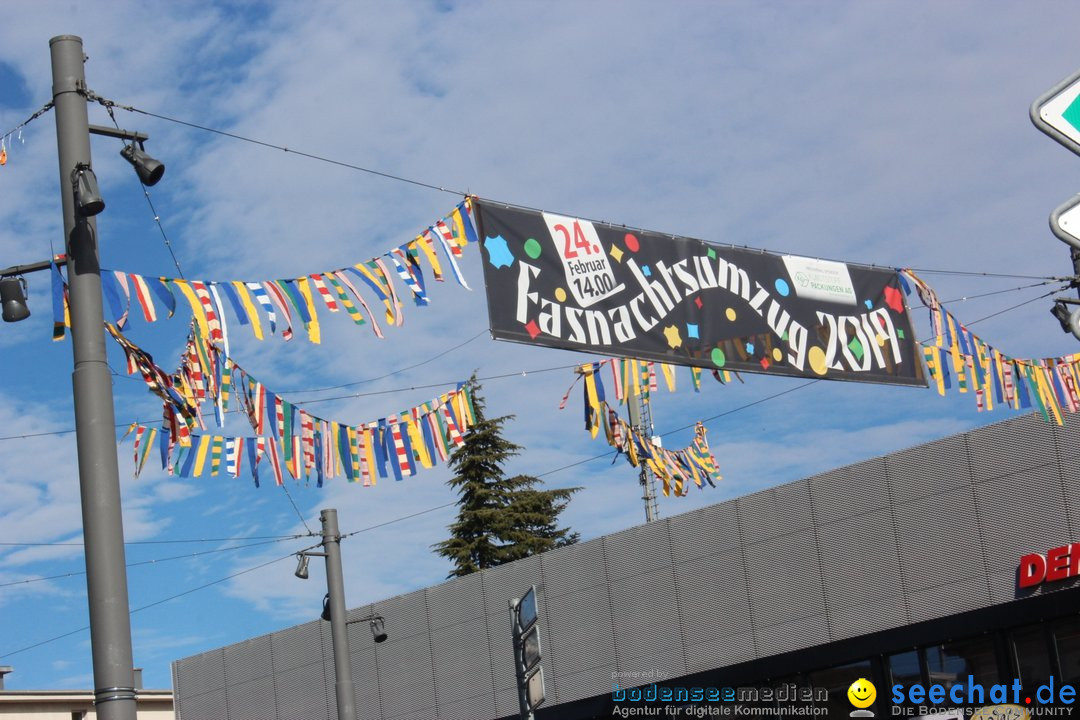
{"points": [[104, 695]]}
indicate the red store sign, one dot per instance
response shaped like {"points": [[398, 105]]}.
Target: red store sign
{"points": [[1060, 563]]}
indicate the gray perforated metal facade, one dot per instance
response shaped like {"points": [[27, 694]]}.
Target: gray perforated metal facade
{"points": [[920, 534]]}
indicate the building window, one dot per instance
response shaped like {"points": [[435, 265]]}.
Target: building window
{"points": [[837, 680], [1067, 642], [1030, 651], [951, 664], [904, 668]]}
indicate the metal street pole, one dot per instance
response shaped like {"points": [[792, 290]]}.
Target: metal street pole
{"points": [[339, 629], [641, 421], [95, 423]]}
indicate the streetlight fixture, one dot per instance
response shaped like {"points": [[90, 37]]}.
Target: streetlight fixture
{"points": [[13, 299], [301, 566], [88, 198], [148, 169]]}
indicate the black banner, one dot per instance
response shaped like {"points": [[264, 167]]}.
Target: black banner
{"points": [[569, 283]]}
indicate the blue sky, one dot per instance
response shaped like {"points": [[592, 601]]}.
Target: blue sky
{"points": [[876, 132]]}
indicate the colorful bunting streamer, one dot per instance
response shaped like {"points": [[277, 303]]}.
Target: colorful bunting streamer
{"points": [[305, 445], [675, 468], [957, 358], [631, 378], [284, 296]]}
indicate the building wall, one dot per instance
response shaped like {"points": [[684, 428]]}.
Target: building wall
{"points": [[65, 704], [920, 534]]}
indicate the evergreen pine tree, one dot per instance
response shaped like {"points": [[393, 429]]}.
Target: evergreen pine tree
{"points": [[499, 519]]}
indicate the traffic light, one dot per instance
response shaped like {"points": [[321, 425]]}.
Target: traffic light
{"points": [[530, 676]]}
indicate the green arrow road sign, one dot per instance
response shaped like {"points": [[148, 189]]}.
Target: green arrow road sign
{"points": [[1057, 112]]}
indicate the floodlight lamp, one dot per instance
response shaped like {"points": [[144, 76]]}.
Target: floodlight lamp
{"points": [[88, 200], [148, 169], [378, 629], [1069, 319], [13, 299], [301, 566]]}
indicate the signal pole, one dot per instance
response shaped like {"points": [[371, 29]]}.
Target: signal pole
{"points": [[95, 422]]}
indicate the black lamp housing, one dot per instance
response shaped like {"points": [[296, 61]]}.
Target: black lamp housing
{"points": [[148, 169], [13, 299]]}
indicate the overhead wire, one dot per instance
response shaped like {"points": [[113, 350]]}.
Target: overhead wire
{"points": [[154, 561], [440, 188], [162, 601], [153, 210], [502, 376], [301, 153], [159, 542]]}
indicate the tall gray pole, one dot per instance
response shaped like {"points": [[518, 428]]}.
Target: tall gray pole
{"points": [[339, 629], [95, 423]]}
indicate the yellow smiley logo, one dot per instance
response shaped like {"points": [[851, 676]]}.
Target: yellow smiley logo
{"points": [[862, 693]]}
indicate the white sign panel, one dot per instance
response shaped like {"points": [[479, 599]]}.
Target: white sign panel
{"points": [[1065, 222], [588, 270], [1057, 112], [820, 279]]}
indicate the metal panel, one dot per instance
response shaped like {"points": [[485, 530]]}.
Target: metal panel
{"points": [[509, 581], [573, 568], [712, 529], [199, 674], [638, 550], [850, 491], [792, 635], [297, 646], [365, 677], [858, 559], [720, 652], [853, 620], [784, 580], [646, 620], [1008, 448], [1068, 454], [948, 599], [462, 660], [713, 598], [506, 702], [301, 692], [775, 511], [248, 700], [406, 679], [587, 683], [248, 660], [207, 706], [480, 706], [582, 637], [932, 531], [1021, 513], [405, 615], [935, 467], [459, 600]]}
